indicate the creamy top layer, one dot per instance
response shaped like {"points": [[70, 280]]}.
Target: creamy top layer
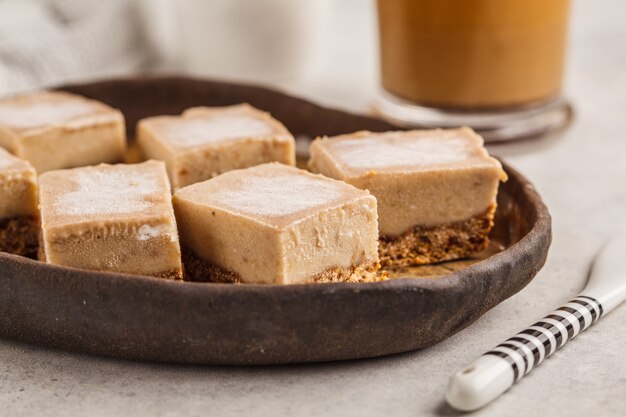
{"points": [[411, 151], [277, 196], [46, 108], [273, 194], [202, 126], [105, 193], [195, 131]]}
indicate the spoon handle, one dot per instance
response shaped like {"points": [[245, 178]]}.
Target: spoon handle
{"points": [[531, 346], [497, 370]]}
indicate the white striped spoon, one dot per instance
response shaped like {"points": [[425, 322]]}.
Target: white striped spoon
{"points": [[497, 370]]}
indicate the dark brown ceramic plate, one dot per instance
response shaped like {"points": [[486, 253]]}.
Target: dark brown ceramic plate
{"points": [[150, 319]]}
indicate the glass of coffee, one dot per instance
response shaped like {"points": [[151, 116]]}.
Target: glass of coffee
{"points": [[494, 65]]}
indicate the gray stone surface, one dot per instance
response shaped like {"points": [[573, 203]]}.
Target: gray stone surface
{"points": [[581, 175]]}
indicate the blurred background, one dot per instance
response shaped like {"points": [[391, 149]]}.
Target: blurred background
{"points": [[324, 49], [277, 42]]}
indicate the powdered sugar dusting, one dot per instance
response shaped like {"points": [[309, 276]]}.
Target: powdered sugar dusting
{"points": [[279, 195], [41, 113], [379, 152], [107, 192], [189, 132]]}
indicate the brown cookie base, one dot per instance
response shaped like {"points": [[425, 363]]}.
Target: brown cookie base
{"points": [[365, 272], [175, 275], [426, 245], [19, 235], [199, 270]]}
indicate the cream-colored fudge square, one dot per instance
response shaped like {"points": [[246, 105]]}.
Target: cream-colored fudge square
{"points": [[276, 224], [436, 189], [19, 216], [420, 177], [207, 141], [110, 218], [54, 130], [18, 187]]}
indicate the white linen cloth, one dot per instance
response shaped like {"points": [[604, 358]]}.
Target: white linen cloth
{"points": [[47, 42]]}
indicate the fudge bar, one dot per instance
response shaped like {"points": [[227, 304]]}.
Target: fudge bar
{"points": [[436, 189], [19, 216], [206, 141], [276, 224], [110, 218], [54, 130]]}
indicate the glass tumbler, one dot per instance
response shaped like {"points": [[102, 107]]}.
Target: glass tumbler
{"points": [[494, 65]]}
